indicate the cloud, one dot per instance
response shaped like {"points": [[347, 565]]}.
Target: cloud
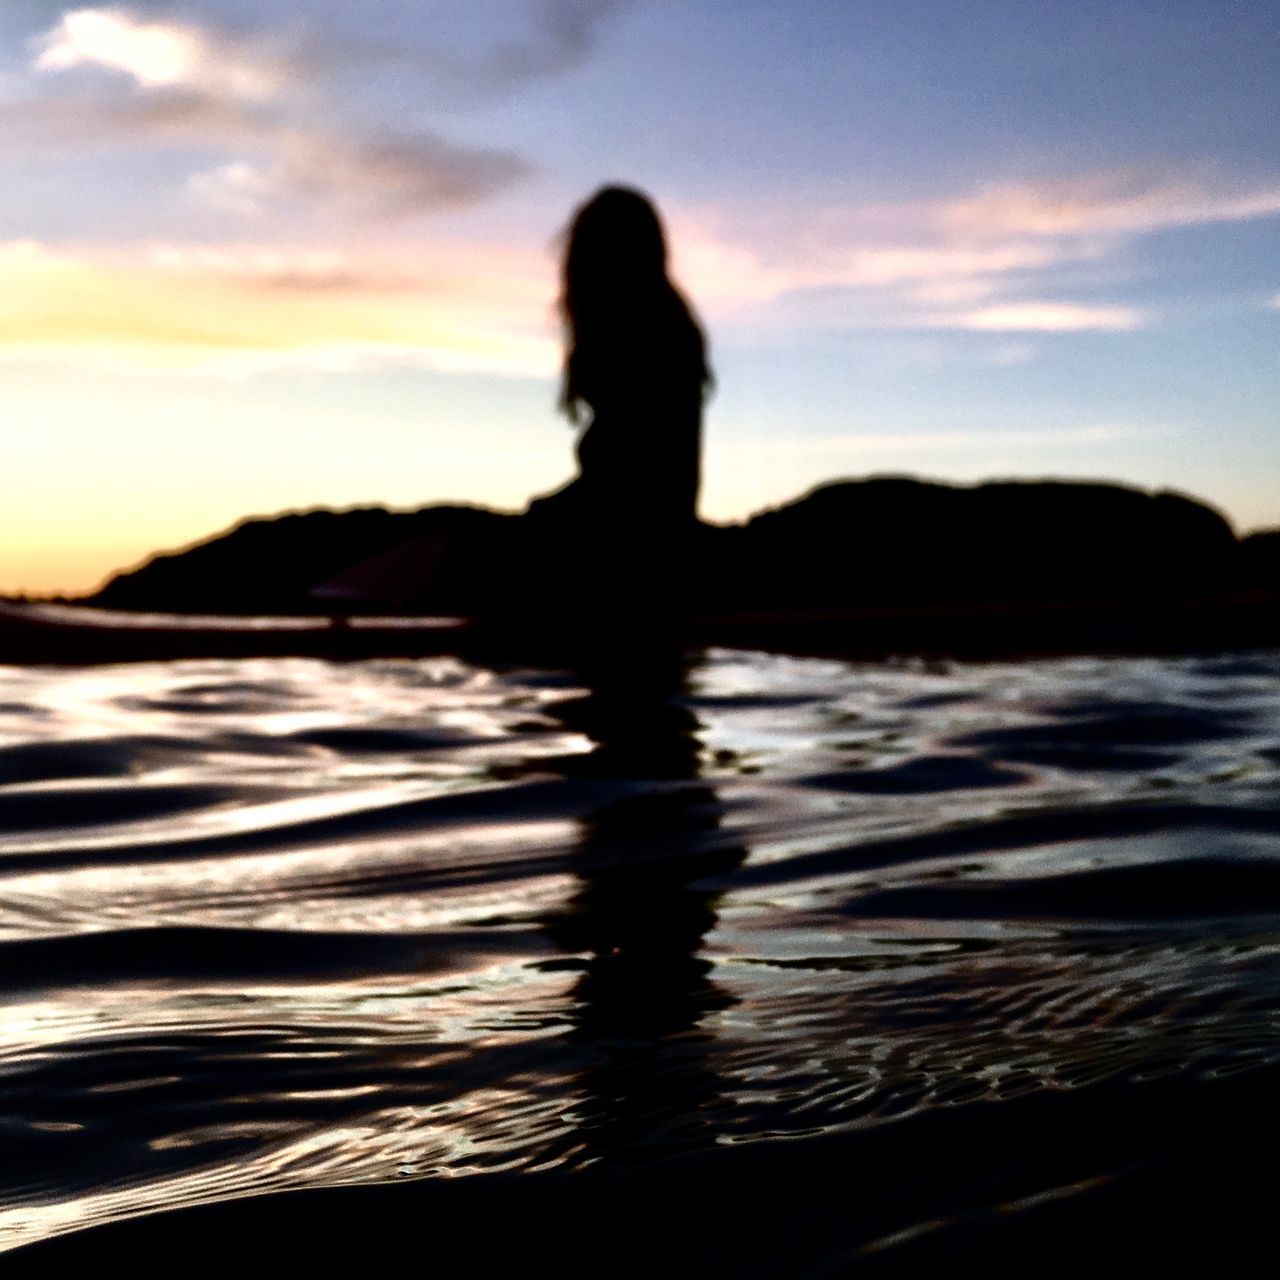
{"points": [[158, 55], [195, 85], [1008, 257], [500, 279], [566, 34], [242, 311], [729, 273], [558, 37], [1108, 204], [391, 174], [888, 285], [1045, 317], [900, 265], [176, 117], [261, 95], [373, 177]]}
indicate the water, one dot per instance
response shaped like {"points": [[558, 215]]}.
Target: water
{"points": [[278, 924]]}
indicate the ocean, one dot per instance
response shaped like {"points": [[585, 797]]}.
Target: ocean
{"points": [[985, 944]]}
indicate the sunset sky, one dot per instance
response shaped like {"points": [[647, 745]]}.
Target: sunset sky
{"points": [[270, 254]]}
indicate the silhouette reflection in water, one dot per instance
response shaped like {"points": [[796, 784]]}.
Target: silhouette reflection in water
{"points": [[621, 534], [639, 914]]}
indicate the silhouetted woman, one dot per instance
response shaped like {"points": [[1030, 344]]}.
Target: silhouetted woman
{"points": [[636, 367]]}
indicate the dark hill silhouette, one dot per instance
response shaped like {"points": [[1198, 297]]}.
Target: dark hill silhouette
{"points": [[879, 542], [1261, 556], [270, 564], [896, 541]]}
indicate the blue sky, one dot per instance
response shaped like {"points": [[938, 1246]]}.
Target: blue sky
{"points": [[270, 255]]}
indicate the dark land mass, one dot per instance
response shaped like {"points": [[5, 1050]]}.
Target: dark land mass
{"points": [[862, 568], [848, 544], [271, 564]]}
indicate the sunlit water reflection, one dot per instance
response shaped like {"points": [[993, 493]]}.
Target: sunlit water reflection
{"points": [[285, 923]]}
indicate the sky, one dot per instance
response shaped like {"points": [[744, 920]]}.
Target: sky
{"points": [[259, 255]]}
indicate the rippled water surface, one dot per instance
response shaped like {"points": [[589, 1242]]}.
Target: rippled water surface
{"points": [[287, 923]]}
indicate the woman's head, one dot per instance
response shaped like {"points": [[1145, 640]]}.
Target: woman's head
{"points": [[615, 243], [616, 294]]}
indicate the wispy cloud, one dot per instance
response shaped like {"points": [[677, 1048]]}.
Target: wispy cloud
{"points": [[260, 95], [514, 282], [388, 173], [997, 259], [533, 40], [565, 34], [1116, 203], [732, 273], [1045, 317], [79, 121], [370, 176], [196, 85], [229, 311]]}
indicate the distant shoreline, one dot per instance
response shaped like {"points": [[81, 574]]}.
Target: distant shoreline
{"points": [[868, 568], [76, 635]]}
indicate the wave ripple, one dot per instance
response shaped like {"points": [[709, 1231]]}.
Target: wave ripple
{"points": [[286, 924]]}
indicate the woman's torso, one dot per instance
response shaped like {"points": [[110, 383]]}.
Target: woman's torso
{"points": [[643, 447]]}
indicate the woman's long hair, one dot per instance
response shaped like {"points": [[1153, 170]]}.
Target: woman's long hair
{"points": [[620, 308]]}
